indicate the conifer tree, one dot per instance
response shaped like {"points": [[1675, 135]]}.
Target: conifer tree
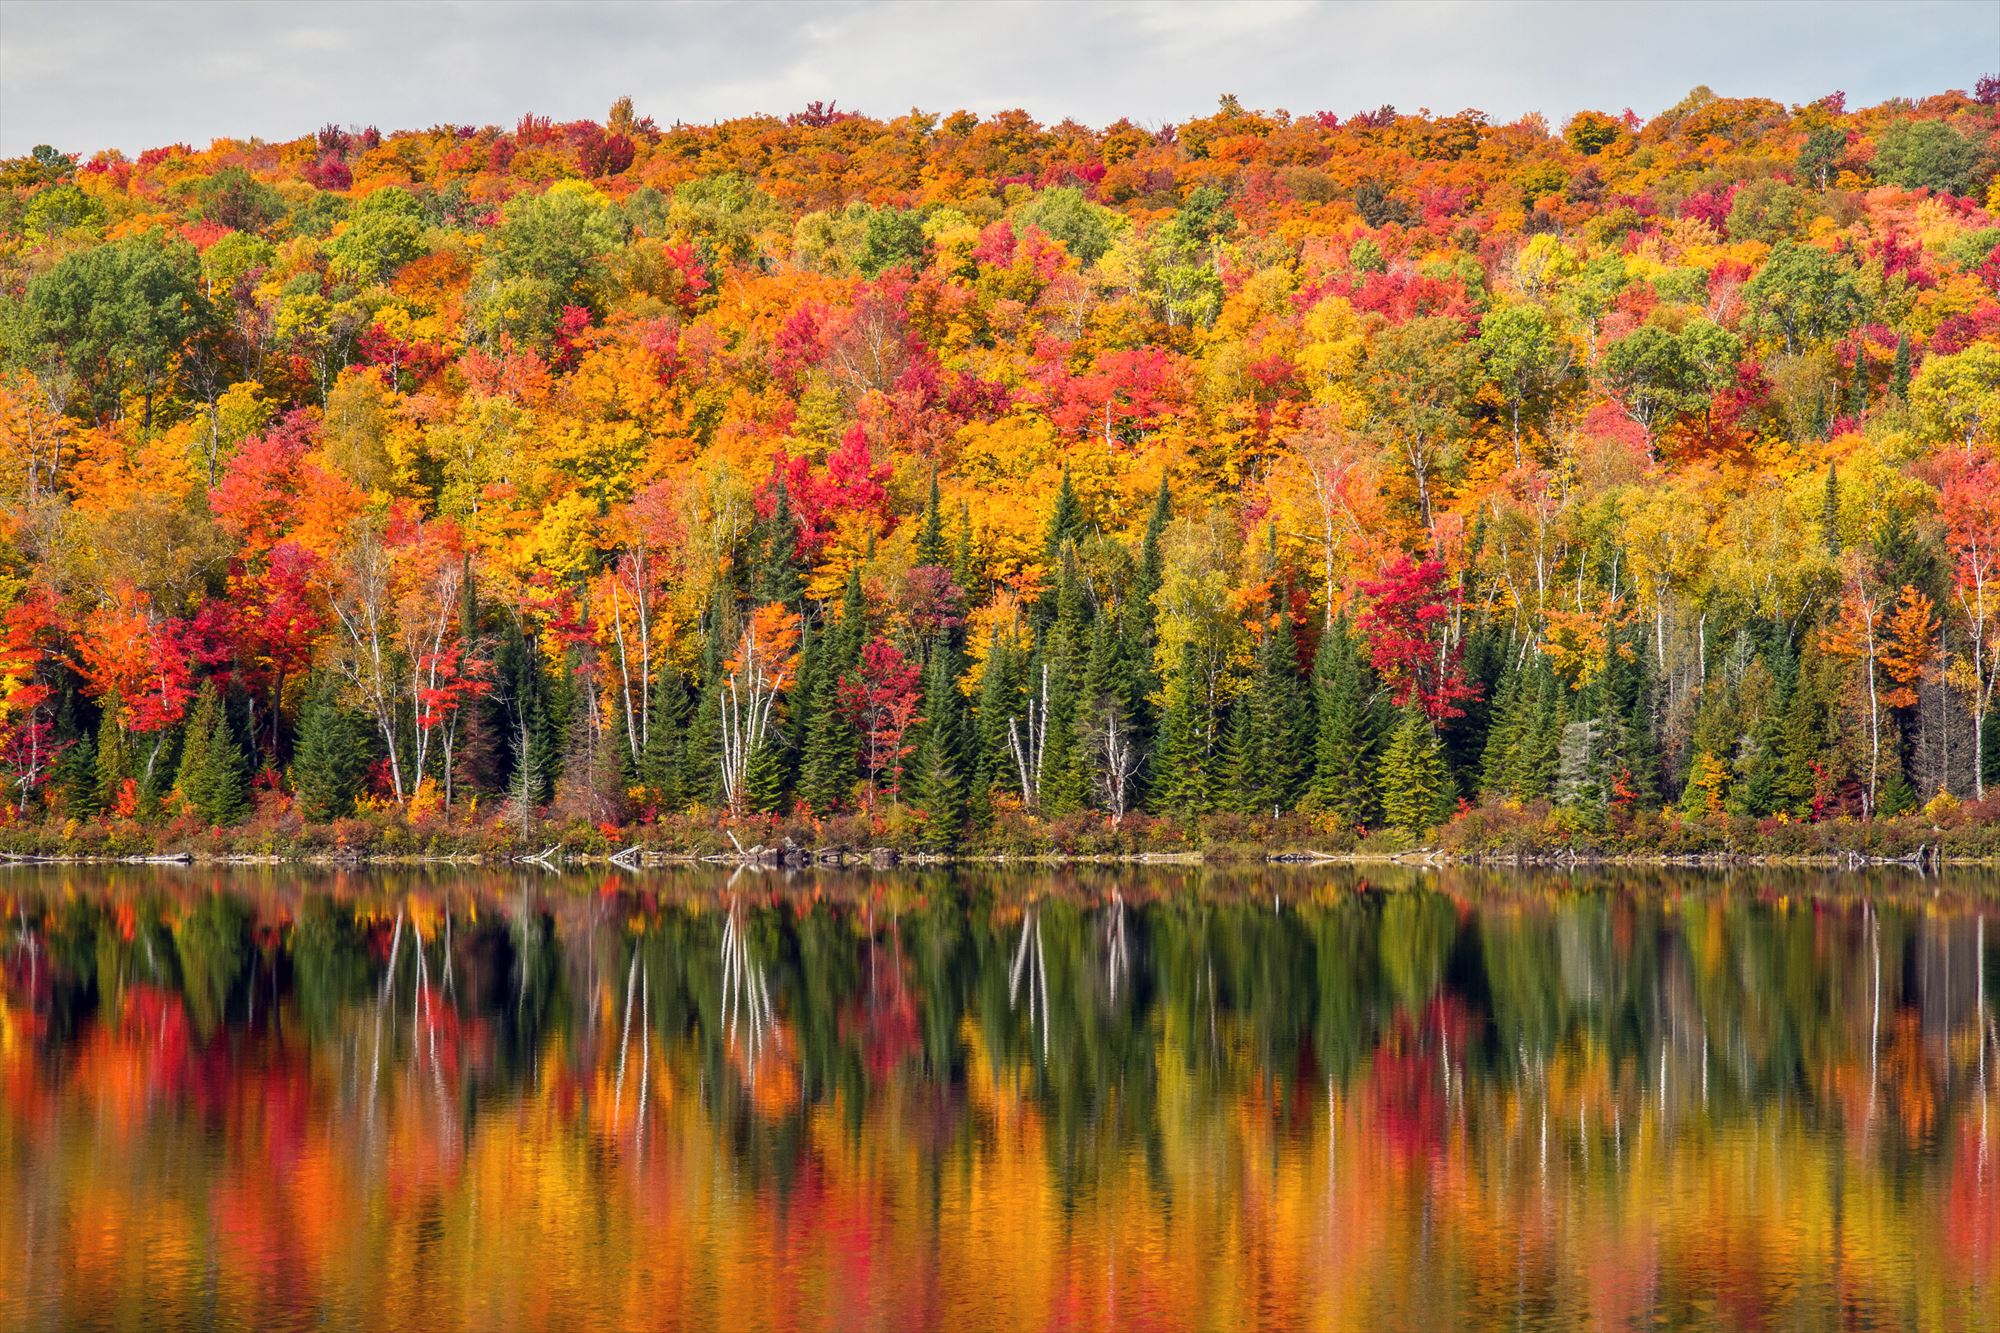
{"points": [[701, 743], [1415, 784], [831, 763], [774, 576], [1899, 377], [533, 733], [930, 536], [214, 777], [1063, 651], [114, 754], [330, 757], [1182, 775], [1829, 513], [936, 785], [1345, 730], [1000, 699], [660, 758]]}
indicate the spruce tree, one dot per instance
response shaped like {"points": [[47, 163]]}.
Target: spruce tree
{"points": [[330, 756], [832, 748], [936, 783], [1899, 377], [1280, 717], [930, 535], [1000, 699], [1829, 513], [1345, 730], [214, 777], [774, 541], [533, 734], [1063, 652], [114, 754], [660, 756], [1182, 777], [1415, 784], [701, 742]]}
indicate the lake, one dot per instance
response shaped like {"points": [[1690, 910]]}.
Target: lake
{"points": [[1135, 1098]]}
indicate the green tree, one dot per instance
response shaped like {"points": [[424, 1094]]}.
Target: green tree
{"points": [[214, 778], [1927, 155], [330, 756], [117, 316], [1416, 787]]}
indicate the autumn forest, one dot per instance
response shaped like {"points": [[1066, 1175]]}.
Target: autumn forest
{"points": [[959, 483]]}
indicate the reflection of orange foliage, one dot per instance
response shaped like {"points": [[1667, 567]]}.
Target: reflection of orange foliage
{"points": [[1908, 1075]]}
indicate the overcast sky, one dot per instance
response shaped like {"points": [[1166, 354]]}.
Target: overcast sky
{"points": [[85, 76]]}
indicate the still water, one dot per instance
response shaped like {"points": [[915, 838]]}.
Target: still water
{"points": [[1156, 1099]]}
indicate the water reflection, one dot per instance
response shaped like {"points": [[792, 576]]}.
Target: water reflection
{"points": [[1173, 1099]]}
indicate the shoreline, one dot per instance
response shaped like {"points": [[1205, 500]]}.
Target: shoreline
{"points": [[635, 859]]}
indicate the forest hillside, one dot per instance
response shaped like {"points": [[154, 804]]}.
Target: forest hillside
{"points": [[967, 483]]}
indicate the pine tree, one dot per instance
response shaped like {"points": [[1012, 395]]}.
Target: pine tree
{"points": [[533, 734], [1345, 730], [701, 742], [936, 784], [1182, 777], [73, 781], [930, 536], [1829, 513], [214, 777], [114, 754], [832, 748], [1416, 787], [1063, 651], [774, 542], [1899, 378], [1857, 387], [1066, 520], [1000, 698], [1280, 717], [659, 758], [330, 757]]}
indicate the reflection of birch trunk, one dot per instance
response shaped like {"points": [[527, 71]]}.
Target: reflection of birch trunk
{"points": [[1118, 957], [624, 1039], [381, 1009], [1031, 931], [1875, 1016], [745, 996]]}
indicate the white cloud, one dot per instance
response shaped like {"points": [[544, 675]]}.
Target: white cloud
{"points": [[90, 75]]}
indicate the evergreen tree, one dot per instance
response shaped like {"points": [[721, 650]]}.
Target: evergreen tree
{"points": [[1829, 513], [1182, 777], [72, 785], [1139, 617], [1066, 520], [330, 757], [1000, 698], [1345, 730], [214, 777], [701, 742], [1804, 738], [930, 536], [832, 747], [1269, 738], [1857, 387], [114, 754], [774, 543], [964, 570], [533, 734], [1899, 378], [1063, 651], [1415, 784], [936, 784], [660, 757]]}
